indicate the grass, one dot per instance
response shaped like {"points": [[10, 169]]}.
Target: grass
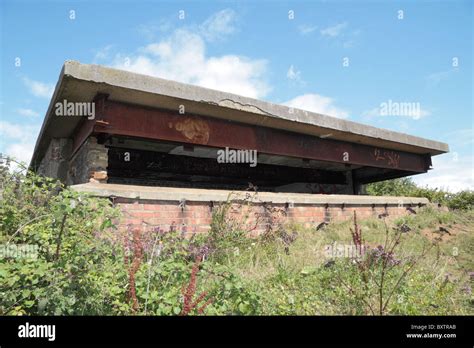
{"points": [[302, 281]]}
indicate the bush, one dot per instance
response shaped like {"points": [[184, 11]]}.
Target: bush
{"points": [[171, 279], [80, 264], [463, 200], [395, 187], [73, 265]]}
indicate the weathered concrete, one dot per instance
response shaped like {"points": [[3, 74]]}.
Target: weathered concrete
{"points": [[206, 195], [55, 162], [81, 82]]}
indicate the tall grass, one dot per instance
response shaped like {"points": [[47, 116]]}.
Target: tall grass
{"points": [[306, 281]]}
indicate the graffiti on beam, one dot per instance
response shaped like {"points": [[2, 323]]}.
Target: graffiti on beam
{"points": [[391, 158], [193, 129]]}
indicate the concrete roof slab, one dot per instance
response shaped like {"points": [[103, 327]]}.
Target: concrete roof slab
{"points": [[82, 82]]}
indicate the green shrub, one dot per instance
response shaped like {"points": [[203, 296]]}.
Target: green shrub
{"points": [[73, 266], [83, 265], [463, 200]]}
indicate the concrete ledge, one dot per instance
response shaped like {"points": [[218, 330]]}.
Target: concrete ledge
{"points": [[204, 195]]}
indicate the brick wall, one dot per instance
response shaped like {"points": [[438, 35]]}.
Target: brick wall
{"points": [[195, 217], [192, 217]]}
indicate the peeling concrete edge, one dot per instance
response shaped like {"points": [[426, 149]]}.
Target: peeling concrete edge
{"points": [[205, 195]]}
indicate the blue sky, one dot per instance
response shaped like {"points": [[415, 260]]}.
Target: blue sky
{"points": [[341, 58]]}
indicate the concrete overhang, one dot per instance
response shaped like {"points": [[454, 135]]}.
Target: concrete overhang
{"points": [[82, 82]]}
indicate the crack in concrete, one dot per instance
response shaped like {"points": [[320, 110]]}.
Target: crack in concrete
{"points": [[241, 104]]}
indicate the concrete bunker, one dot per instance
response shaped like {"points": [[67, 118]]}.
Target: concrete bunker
{"points": [[157, 140]]}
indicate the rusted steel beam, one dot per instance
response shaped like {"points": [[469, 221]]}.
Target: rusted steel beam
{"points": [[132, 120]]}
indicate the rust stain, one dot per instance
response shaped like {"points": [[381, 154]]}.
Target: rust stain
{"points": [[194, 129]]}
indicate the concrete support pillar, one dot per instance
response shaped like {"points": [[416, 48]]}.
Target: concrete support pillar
{"points": [[89, 163], [357, 187]]}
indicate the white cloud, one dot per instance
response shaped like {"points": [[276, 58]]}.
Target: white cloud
{"points": [[182, 57], [306, 29], [21, 139], [317, 103], [333, 31], [219, 25], [17, 131], [39, 89], [293, 74], [27, 112], [22, 151], [451, 172]]}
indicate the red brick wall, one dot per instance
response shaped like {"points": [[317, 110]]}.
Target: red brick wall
{"points": [[195, 217]]}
